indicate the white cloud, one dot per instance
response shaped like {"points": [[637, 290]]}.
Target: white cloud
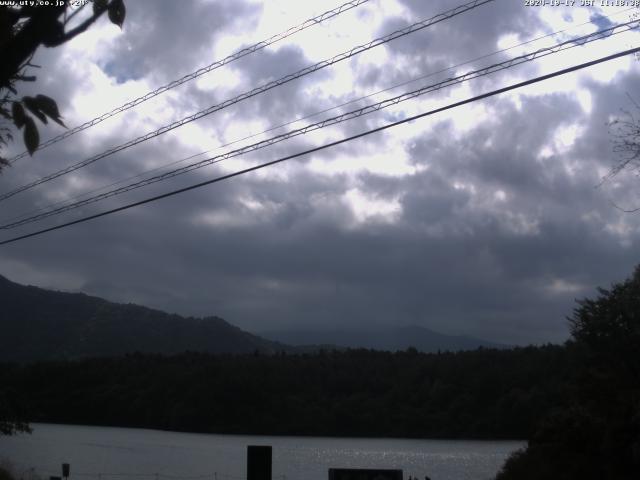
{"points": [[559, 286], [368, 209]]}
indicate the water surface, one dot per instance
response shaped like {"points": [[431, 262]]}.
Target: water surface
{"points": [[103, 453]]}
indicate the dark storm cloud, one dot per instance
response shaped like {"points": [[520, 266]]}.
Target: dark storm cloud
{"points": [[457, 40], [601, 21], [284, 103], [472, 34]]}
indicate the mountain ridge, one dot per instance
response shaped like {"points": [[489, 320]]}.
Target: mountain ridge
{"points": [[39, 324]]}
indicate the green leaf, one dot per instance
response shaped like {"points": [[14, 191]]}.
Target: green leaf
{"points": [[18, 114], [31, 135], [117, 12], [99, 6], [48, 106], [32, 106]]}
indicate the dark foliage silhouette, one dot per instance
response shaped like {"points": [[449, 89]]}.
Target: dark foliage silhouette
{"points": [[23, 29], [484, 393], [595, 433]]}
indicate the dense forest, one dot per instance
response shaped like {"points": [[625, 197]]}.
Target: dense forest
{"points": [[477, 394]]}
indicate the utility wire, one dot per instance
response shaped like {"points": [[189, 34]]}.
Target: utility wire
{"points": [[328, 145], [76, 198], [209, 68], [580, 41], [256, 91]]}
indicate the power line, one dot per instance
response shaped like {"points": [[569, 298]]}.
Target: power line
{"points": [[328, 145], [32, 213], [572, 43], [256, 91], [209, 68]]}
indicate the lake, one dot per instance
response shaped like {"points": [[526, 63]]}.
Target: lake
{"points": [[103, 453]]}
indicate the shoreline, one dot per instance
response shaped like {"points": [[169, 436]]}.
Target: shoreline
{"points": [[276, 435]]}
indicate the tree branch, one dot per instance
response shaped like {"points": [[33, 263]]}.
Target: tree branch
{"points": [[79, 29], [70, 17]]}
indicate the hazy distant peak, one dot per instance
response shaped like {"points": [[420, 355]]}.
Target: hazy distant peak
{"points": [[379, 337]]}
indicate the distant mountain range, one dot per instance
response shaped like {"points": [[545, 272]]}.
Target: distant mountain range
{"points": [[380, 338], [39, 324]]}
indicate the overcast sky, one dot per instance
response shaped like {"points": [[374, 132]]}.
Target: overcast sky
{"points": [[485, 220]]}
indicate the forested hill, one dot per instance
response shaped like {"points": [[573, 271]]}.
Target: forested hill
{"points": [[39, 324]]}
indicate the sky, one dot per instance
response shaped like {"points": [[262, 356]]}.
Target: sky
{"points": [[489, 219]]}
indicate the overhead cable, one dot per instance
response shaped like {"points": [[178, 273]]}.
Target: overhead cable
{"points": [[543, 52], [327, 145], [256, 91], [75, 198], [201, 71]]}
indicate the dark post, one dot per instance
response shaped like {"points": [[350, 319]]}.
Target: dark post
{"points": [[259, 462], [65, 470]]}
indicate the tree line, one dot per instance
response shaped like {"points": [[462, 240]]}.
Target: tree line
{"points": [[485, 393]]}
